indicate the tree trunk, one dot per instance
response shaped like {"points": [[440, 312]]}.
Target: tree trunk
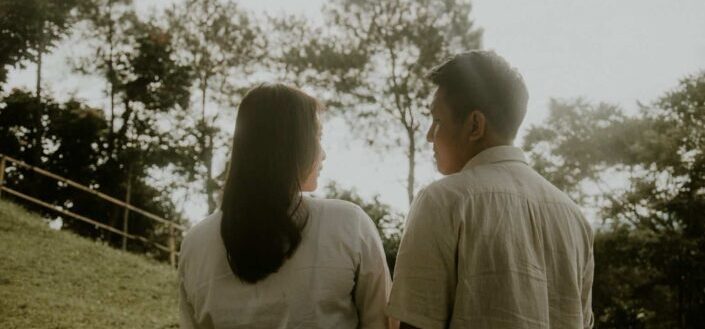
{"points": [[111, 133], [681, 304], [120, 137], [40, 53], [210, 182], [204, 88], [126, 211], [207, 152], [111, 78], [411, 156], [39, 73]]}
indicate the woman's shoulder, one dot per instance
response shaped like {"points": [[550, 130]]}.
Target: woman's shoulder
{"points": [[335, 208], [341, 215], [203, 231]]}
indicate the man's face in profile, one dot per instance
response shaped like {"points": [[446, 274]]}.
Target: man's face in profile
{"points": [[449, 148]]}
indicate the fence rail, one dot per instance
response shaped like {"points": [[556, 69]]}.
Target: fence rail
{"points": [[173, 227]]}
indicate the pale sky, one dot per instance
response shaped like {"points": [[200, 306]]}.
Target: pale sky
{"points": [[617, 51]]}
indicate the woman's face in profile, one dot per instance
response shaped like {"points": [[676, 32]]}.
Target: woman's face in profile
{"points": [[310, 182]]}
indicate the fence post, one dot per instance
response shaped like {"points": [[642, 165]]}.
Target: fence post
{"points": [[2, 173], [126, 214], [172, 246]]}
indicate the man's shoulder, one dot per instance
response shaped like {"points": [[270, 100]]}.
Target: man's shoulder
{"points": [[547, 191], [489, 179], [456, 186]]}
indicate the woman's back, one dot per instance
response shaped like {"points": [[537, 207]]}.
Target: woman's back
{"points": [[336, 278]]}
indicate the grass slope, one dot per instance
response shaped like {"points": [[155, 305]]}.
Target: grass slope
{"points": [[56, 279]]}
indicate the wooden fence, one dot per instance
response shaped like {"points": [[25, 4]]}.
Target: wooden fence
{"points": [[173, 227]]}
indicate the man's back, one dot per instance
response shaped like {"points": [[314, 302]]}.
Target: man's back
{"points": [[494, 246]]}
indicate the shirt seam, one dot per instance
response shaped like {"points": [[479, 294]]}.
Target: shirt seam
{"points": [[520, 195]]}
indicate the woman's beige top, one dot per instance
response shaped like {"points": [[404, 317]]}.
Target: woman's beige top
{"points": [[336, 278]]}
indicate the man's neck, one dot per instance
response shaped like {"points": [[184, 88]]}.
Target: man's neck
{"points": [[486, 144]]}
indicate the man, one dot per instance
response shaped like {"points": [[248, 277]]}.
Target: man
{"points": [[493, 244]]}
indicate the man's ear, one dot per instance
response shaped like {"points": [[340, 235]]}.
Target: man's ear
{"points": [[475, 125]]}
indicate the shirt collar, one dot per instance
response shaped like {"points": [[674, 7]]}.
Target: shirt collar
{"points": [[497, 154]]}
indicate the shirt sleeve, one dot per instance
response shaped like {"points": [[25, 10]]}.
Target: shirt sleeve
{"points": [[425, 276], [186, 313], [373, 282]]}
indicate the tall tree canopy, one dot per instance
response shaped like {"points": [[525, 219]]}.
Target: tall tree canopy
{"points": [[223, 45], [30, 28], [370, 61]]}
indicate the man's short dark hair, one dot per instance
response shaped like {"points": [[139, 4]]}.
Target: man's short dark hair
{"points": [[484, 81]]}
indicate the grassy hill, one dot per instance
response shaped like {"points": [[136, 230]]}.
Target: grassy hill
{"points": [[56, 279]]}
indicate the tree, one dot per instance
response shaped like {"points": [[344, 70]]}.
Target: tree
{"points": [[18, 22], [577, 142], [66, 140], [659, 251], [137, 59], [105, 30], [222, 44], [29, 28], [624, 294], [55, 21], [147, 88], [371, 59], [155, 88]]}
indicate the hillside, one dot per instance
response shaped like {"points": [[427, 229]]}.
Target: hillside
{"points": [[56, 279]]}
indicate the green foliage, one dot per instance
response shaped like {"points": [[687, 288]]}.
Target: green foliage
{"points": [[104, 27], [157, 81], [148, 91], [31, 27], [579, 141], [222, 44], [52, 279], [650, 260], [388, 223], [16, 40], [69, 139], [628, 291], [104, 149], [219, 40], [156, 89]]}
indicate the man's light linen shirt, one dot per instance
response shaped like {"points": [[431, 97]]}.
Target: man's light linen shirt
{"points": [[494, 246]]}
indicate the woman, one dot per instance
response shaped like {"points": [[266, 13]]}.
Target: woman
{"points": [[270, 257]]}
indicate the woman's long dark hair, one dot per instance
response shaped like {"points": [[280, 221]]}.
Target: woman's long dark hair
{"points": [[274, 149]]}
